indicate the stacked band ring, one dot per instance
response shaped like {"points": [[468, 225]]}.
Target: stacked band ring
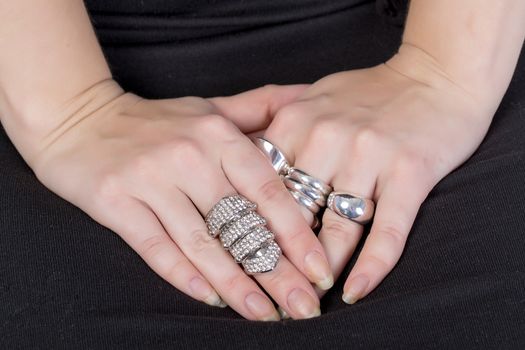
{"points": [[313, 193], [243, 232], [307, 190]]}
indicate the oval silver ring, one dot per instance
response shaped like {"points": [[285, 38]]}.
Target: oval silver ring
{"points": [[274, 155], [317, 196], [351, 207], [303, 177], [305, 201]]}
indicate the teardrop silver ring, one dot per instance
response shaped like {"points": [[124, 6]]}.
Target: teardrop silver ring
{"points": [[351, 207]]}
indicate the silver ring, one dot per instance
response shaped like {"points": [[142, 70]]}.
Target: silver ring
{"points": [[274, 155], [317, 196], [348, 206], [305, 201], [243, 233], [302, 177]]}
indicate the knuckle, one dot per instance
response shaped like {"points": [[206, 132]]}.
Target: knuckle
{"points": [[174, 270], [186, 152], [325, 130], [324, 99], [298, 237], [380, 263], [339, 232], [279, 280], [272, 191], [201, 241], [151, 247], [364, 139], [289, 114], [108, 185], [216, 125], [142, 165], [233, 282], [394, 234], [410, 165]]}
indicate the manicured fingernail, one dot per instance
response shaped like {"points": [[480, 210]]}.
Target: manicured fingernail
{"points": [[261, 307], [357, 287], [203, 291], [284, 314], [319, 270], [303, 304]]}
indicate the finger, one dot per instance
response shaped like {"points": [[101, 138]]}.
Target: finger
{"points": [[134, 221], [253, 110], [339, 236], [187, 228], [397, 208], [252, 175], [287, 286]]}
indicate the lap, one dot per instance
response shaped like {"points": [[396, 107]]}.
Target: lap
{"points": [[66, 281]]}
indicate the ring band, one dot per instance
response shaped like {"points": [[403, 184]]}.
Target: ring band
{"points": [[274, 155], [314, 194], [305, 201], [348, 206], [303, 177]]}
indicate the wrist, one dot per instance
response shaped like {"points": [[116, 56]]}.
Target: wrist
{"points": [[34, 128], [477, 90]]}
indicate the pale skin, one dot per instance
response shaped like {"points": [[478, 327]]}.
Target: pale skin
{"points": [[138, 166]]}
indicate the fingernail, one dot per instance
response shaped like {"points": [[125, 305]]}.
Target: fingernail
{"points": [[203, 291], [319, 270], [357, 287], [261, 307], [303, 304], [284, 314]]}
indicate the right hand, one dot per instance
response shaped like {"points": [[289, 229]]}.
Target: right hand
{"points": [[151, 169]]}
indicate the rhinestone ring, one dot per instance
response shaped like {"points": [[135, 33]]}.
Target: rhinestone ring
{"points": [[243, 232]]}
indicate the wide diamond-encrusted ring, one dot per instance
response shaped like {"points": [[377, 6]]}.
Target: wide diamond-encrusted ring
{"points": [[351, 207], [244, 234]]}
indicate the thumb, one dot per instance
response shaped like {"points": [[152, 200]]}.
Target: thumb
{"points": [[253, 110]]}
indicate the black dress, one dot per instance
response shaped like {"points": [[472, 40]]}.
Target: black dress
{"points": [[68, 282]]}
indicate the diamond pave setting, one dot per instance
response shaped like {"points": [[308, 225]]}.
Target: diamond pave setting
{"points": [[226, 210], [235, 230], [242, 231], [263, 260], [250, 243]]}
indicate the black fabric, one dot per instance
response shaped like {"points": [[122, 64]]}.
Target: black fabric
{"points": [[67, 282]]}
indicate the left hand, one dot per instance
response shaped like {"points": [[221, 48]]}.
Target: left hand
{"points": [[380, 134]]}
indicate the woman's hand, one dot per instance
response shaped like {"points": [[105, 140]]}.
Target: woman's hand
{"points": [[384, 134], [150, 169]]}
